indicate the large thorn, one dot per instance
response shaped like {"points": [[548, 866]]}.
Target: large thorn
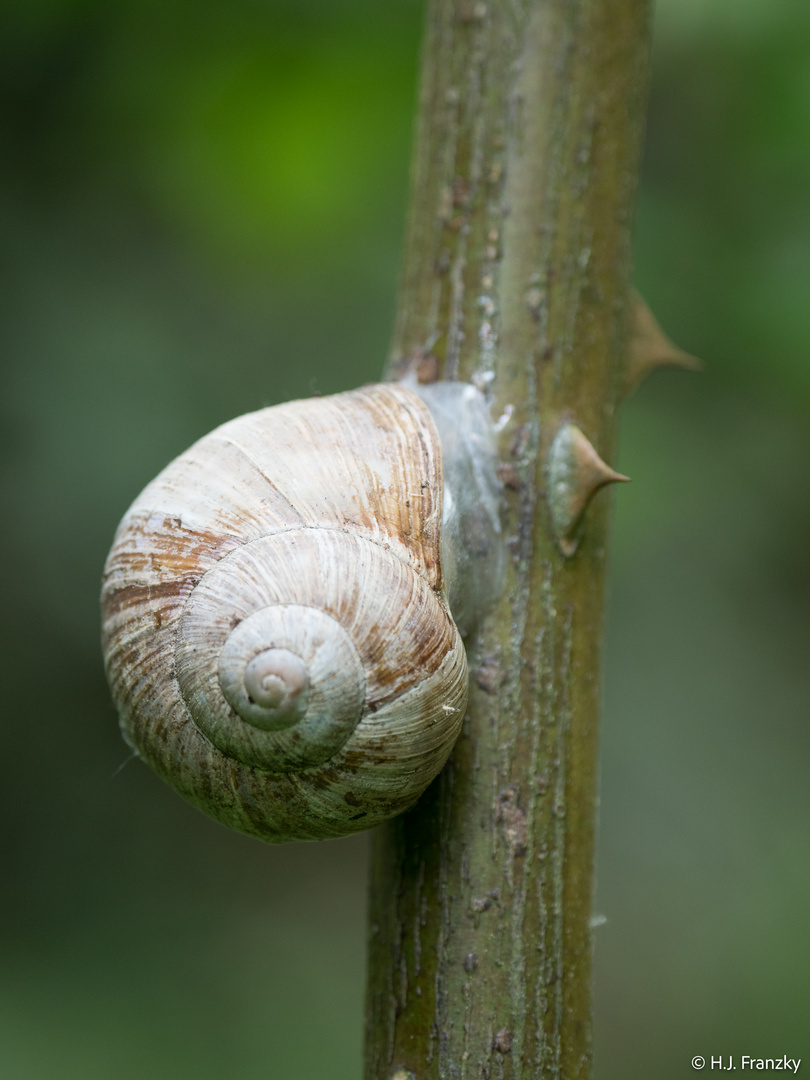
{"points": [[575, 474], [648, 347]]}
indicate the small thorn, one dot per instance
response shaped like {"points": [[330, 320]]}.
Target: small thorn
{"points": [[649, 348], [575, 474]]}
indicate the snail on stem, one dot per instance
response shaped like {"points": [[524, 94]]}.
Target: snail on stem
{"points": [[276, 623]]}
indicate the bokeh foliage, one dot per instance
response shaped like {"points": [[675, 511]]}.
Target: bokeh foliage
{"points": [[202, 212]]}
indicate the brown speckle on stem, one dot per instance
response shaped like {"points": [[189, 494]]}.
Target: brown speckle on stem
{"points": [[503, 1041], [489, 675]]}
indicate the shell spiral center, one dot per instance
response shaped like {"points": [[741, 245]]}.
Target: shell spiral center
{"points": [[284, 689], [277, 680]]}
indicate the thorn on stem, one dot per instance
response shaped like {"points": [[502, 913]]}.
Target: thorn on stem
{"points": [[575, 474], [649, 348]]}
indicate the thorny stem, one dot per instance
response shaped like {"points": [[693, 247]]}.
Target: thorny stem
{"points": [[516, 276]]}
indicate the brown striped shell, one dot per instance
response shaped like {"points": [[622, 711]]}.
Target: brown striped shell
{"points": [[274, 624]]}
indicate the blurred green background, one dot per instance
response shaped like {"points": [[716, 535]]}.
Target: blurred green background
{"points": [[202, 213]]}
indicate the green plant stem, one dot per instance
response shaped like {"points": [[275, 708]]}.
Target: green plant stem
{"points": [[516, 276]]}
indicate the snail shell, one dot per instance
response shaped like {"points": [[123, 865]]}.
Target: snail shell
{"points": [[275, 628]]}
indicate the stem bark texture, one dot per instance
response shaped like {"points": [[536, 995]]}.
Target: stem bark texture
{"points": [[516, 277]]}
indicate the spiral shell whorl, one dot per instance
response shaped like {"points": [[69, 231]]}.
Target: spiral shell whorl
{"points": [[312, 666], [268, 688], [293, 671]]}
